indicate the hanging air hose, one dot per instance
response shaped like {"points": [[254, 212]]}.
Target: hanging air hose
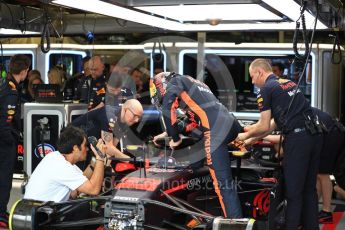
{"points": [[45, 37], [304, 35], [161, 47], [336, 50]]}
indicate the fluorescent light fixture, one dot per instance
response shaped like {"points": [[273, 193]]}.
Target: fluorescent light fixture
{"points": [[286, 7], [224, 45], [292, 10], [112, 10], [213, 11], [149, 45], [97, 47], [15, 32], [20, 46]]}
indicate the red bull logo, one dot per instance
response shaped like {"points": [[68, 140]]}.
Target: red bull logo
{"points": [[153, 89], [261, 203], [289, 85]]}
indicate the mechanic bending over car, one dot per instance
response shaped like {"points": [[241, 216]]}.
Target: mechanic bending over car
{"points": [[57, 178], [111, 123], [332, 145], [333, 142], [171, 91], [302, 141]]}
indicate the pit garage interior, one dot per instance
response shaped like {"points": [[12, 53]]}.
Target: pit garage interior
{"points": [[212, 41]]}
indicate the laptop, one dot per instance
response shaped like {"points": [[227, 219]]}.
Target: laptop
{"points": [[48, 93]]}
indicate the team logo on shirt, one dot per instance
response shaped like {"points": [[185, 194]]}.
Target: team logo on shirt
{"points": [[287, 85], [9, 119], [101, 91], [282, 81], [10, 112], [260, 101], [153, 89], [112, 122]]}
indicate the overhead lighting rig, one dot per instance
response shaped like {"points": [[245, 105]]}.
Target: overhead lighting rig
{"points": [[253, 15]]}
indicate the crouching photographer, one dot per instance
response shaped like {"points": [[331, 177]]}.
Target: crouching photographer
{"points": [[57, 178]]}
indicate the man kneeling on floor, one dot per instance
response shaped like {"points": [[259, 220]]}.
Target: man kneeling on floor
{"points": [[57, 178]]}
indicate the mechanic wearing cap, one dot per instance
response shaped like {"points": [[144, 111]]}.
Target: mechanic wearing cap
{"points": [[173, 91], [302, 143]]}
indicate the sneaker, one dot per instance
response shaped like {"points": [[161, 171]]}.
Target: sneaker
{"points": [[325, 217], [4, 220]]}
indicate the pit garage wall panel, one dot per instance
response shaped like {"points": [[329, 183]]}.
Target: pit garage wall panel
{"points": [[332, 78]]}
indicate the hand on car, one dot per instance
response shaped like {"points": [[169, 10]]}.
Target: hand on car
{"points": [[159, 136], [174, 144]]}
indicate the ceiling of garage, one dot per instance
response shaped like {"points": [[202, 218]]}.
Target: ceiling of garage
{"points": [[32, 15]]}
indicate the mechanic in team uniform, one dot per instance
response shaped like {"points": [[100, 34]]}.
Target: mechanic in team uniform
{"points": [[302, 142], [173, 92], [10, 127], [333, 143], [111, 123], [92, 88]]}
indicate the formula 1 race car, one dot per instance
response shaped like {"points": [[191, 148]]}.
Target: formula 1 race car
{"points": [[161, 191]]}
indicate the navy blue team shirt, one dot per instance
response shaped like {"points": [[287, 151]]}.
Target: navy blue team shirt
{"points": [[276, 95], [106, 118]]}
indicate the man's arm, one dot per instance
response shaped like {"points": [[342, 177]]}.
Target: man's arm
{"points": [[272, 138], [111, 143], [115, 152], [89, 169], [100, 105], [73, 194], [159, 136], [93, 186], [266, 136], [262, 128], [169, 105]]}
